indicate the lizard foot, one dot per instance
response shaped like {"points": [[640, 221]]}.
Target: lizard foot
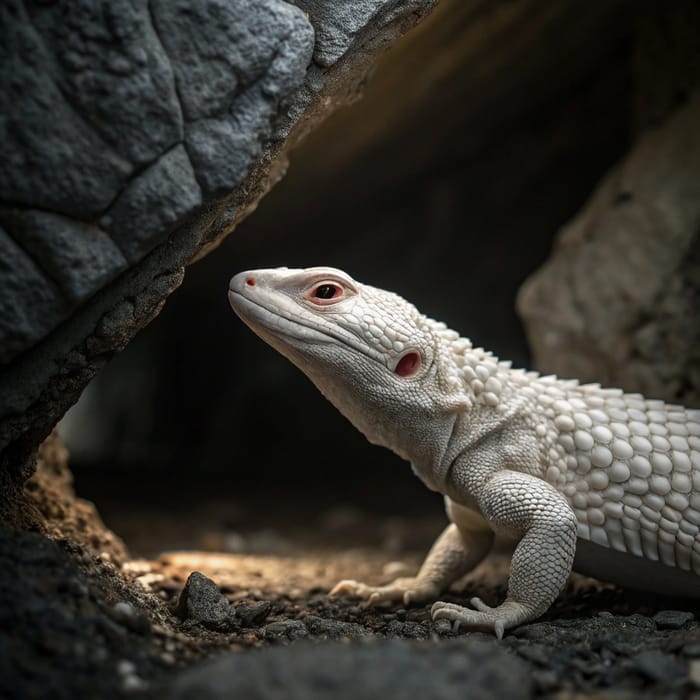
{"points": [[484, 617], [409, 590]]}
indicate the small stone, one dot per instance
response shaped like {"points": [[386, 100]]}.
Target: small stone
{"points": [[285, 629], [334, 629], [673, 619], [253, 615], [444, 627], [201, 600], [659, 667]]}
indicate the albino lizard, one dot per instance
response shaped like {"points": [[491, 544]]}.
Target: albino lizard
{"points": [[595, 479]]}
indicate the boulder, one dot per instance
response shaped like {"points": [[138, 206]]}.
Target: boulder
{"points": [[618, 302], [139, 136]]}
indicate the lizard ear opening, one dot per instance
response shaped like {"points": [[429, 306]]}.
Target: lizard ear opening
{"points": [[408, 365]]}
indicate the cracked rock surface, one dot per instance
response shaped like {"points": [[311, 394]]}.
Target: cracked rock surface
{"points": [[140, 133], [619, 300]]}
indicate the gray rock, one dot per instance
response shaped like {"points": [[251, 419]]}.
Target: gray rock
{"points": [[153, 203], [285, 629], [52, 159], [93, 121], [338, 24], [387, 669], [252, 615], [20, 278], [234, 64], [202, 601], [80, 258], [673, 619], [221, 153], [111, 66], [334, 629], [660, 667], [619, 300], [222, 48]]}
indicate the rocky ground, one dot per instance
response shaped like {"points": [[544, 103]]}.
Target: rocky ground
{"points": [[255, 621]]}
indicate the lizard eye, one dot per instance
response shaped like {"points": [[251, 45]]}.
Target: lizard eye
{"points": [[326, 293], [408, 365]]}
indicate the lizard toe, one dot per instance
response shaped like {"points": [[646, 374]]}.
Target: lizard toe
{"points": [[350, 587], [479, 604], [495, 620]]}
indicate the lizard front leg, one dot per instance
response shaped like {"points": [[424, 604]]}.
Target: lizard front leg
{"points": [[453, 554], [542, 561]]}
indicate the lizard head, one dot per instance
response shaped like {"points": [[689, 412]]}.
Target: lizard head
{"points": [[370, 352]]}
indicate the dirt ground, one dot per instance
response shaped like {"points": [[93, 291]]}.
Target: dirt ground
{"points": [[76, 622]]}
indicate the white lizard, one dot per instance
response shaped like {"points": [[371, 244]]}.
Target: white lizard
{"points": [[583, 477]]}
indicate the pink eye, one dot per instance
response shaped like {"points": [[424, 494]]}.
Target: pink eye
{"points": [[408, 365], [326, 292]]}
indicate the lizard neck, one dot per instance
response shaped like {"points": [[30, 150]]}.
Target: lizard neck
{"points": [[469, 387]]}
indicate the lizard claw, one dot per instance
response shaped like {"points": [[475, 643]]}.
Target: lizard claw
{"points": [[495, 620]]}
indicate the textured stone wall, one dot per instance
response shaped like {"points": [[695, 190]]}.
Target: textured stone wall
{"points": [[136, 135], [619, 300]]}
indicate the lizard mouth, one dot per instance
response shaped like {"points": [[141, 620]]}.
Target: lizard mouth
{"points": [[291, 329]]}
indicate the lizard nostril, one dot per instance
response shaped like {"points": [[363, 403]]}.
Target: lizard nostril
{"points": [[250, 281]]}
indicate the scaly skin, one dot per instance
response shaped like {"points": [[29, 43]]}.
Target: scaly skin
{"points": [[583, 477]]}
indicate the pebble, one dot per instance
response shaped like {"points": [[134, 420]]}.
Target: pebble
{"points": [[201, 600], [673, 619], [659, 667], [290, 629], [444, 627], [252, 615]]}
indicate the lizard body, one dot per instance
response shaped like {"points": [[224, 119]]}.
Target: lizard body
{"points": [[581, 476]]}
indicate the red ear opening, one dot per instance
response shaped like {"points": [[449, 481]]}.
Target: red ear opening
{"points": [[408, 365]]}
